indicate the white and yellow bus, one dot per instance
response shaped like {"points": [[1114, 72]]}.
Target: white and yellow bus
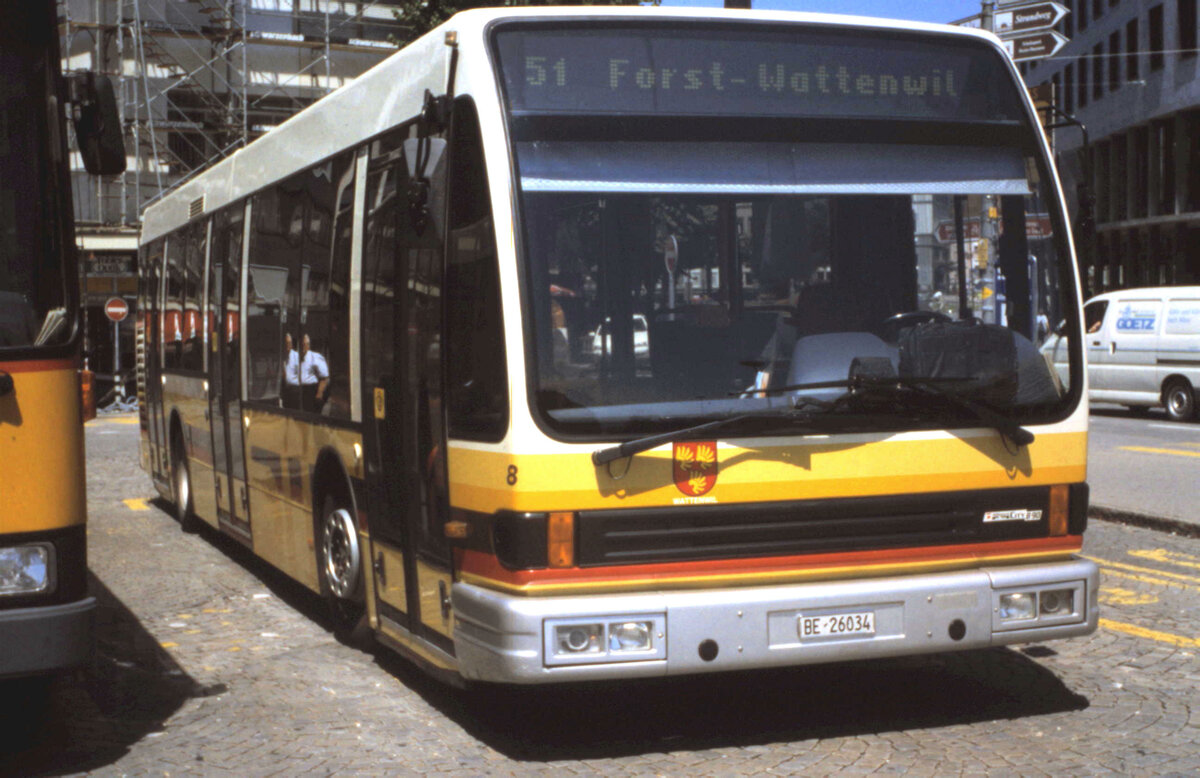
{"points": [[602, 343]]}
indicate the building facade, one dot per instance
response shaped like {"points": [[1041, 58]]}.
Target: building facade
{"points": [[195, 80], [1131, 76]]}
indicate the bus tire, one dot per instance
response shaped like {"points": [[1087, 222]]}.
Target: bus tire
{"points": [[340, 568], [181, 484], [1179, 399]]}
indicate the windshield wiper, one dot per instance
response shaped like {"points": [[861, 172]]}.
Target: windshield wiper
{"points": [[638, 445], [930, 388]]}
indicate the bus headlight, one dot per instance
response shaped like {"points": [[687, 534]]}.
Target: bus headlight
{"points": [[26, 569], [623, 638], [1017, 606], [1057, 602]]}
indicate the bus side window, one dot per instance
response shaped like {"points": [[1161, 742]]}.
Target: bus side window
{"points": [[193, 287], [172, 303], [272, 266], [476, 366]]}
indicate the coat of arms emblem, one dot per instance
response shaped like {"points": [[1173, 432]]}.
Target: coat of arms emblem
{"points": [[695, 467]]}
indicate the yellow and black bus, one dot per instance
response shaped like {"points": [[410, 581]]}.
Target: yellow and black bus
{"points": [[45, 612], [600, 343]]}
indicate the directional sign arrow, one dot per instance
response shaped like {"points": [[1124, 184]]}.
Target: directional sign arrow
{"points": [[1028, 18], [1035, 46]]}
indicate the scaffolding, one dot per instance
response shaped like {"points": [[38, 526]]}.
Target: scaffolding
{"points": [[198, 79]]}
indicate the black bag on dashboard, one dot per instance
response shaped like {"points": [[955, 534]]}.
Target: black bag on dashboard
{"points": [[983, 355]]}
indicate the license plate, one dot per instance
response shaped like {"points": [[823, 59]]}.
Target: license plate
{"points": [[836, 625]]}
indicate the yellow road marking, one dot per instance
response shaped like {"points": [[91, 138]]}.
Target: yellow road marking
{"points": [[1147, 579], [136, 504], [1148, 450], [1167, 557], [117, 420], [1149, 634], [169, 645], [1150, 570], [1114, 595]]}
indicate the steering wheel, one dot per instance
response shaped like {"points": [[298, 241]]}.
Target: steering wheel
{"points": [[892, 325]]}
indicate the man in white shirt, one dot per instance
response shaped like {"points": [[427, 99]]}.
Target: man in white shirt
{"points": [[313, 373]]}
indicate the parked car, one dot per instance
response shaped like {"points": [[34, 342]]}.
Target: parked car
{"points": [[1143, 348], [602, 339]]}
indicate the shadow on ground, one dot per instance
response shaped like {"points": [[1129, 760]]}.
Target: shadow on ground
{"points": [[89, 719], [599, 720]]}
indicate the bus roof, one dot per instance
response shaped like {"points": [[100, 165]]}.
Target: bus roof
{"points": [[372, 103]]}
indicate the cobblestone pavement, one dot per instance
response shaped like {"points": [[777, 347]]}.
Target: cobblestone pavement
{"points": [[210, 663]]}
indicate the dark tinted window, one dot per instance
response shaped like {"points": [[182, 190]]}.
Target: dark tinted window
{"points": [[195, 242], [477, 379], [173, 326]]}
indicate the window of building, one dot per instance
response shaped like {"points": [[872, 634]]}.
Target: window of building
{"points": [[1081, 17], [1082, 85], [1156, 38], [1186, 22], [1114, 61], [1098, 71], [1132, 57], [1164, 163], [1097, 8], [1068, 93], [1068, 22]]}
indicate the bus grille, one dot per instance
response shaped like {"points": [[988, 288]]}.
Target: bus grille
{"points": [[692, 533]]}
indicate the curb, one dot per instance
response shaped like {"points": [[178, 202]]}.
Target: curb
{"points": [[1133, 518]]}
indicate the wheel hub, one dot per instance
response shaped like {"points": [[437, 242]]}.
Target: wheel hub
{"points": [[340, 553]]}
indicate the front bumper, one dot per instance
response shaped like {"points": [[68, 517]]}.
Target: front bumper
{"points": [[45, 639], [500, 637]]}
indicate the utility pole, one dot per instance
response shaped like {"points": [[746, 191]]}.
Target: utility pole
{"points": [[987, 15]]}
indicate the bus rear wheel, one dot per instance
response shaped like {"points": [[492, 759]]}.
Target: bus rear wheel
{"points": [[339, 568], [1180, 400]]}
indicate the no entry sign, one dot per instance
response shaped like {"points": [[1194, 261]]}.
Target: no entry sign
{"points": [[116, 309]]}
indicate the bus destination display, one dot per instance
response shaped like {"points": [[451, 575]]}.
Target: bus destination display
{"points": [[746, 73]]}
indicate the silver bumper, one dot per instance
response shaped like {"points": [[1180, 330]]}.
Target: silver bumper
{"points": [[502, 638]]}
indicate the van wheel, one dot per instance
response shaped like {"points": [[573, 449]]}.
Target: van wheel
{"points": [[1180, 400], [181, 487], [339, 568]]}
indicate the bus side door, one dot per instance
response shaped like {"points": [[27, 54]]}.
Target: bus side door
{"points": [[402, 385]]}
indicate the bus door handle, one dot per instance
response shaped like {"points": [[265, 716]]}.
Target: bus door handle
{"points": [[379, 569]]}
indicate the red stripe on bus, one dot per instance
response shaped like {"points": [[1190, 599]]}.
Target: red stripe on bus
{"points": [[488, 566], [40, 365]]}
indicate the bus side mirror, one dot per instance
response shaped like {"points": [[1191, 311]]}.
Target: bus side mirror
{"points": [[97, 124]]}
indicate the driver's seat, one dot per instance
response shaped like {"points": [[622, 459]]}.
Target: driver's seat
{"points": [[828, 357]]}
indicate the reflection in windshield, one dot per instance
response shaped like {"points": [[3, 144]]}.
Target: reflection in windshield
{"points": [[671, 309]]}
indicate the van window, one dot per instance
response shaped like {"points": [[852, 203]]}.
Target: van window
{"points": [[1093, 315], [1183, 317], [1137, 317]]}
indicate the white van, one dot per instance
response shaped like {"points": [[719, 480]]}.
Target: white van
{"points": [[1143, 348]]}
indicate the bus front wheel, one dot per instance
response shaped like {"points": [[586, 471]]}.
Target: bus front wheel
{"points": [[181, 486], [339, 567]]}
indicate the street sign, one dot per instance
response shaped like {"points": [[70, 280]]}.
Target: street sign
{"points": [[1035, 46], [1028, 18], [1036, 226], [671, 254], [116, 309]]}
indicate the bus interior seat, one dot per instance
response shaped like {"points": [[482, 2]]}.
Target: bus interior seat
{"points": [[701, 357], [829, 356]]}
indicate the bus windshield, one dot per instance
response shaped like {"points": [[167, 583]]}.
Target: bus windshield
{"points": [[33, 311], [714, 219]]}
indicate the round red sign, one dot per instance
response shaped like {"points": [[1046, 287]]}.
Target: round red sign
{"points": [[116, 309]]}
